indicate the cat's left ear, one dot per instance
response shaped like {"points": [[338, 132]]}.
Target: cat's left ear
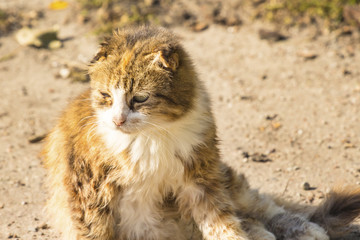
{"points": [[167, 59]]}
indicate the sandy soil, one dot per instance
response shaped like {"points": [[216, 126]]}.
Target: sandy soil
{"points": [[282, 119]]}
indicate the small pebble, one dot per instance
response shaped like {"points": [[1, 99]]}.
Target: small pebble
{"points": [[12, 235], [37, 138], [347, 72], [270, 151], [307, 54], [271, 117], [43, 226], [270, 35], [233, 29], [55, 44], [262, 158], [306, 186], [200, 26], [276, 125], [64, 72], [246, 98], [20, 183]]}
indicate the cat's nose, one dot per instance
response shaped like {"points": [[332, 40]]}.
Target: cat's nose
{"points": [[119, 121]]}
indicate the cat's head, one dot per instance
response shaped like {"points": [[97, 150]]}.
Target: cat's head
{"points": [[140, 78]]}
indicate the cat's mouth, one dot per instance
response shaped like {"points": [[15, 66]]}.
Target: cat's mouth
{"points": [[127, 128], [123, 130]]}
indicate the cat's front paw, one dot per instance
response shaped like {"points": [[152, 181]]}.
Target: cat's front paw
{"points": [[313, 232], [293, 227]]}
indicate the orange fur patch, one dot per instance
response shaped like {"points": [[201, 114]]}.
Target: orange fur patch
{"points": [[126, 59]]}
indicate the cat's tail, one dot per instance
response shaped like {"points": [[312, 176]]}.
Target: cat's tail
{"points": [[340, 208]]}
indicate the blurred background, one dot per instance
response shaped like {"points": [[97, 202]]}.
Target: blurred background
{"points": [[105, 15], [283, 77]]}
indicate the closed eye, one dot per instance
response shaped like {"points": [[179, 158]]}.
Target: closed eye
{"points": [[105, 95], [140, 98]]}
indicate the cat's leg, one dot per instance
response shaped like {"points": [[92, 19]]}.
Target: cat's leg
{"points": [[91, 205], [212, 211], [78, 217], [92, 220], [282, 224]]}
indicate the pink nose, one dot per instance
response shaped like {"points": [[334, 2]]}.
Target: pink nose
{"points": [[119, 121]]}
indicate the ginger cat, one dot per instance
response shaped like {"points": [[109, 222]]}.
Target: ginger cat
{"points": [[136, 158]]}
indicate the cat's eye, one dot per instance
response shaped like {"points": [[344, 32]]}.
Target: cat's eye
{"points": [[105, 95], [140, 98]]}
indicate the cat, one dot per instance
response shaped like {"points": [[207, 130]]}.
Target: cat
{"points": [[136, 157]]}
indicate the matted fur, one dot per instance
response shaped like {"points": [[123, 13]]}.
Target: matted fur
{"points": [[136, 157]]}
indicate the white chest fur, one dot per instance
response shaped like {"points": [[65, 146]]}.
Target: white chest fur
{"points": [[159, 173]]}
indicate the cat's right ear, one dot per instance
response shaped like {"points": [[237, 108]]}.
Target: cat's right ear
{"points": [[102, 53]]}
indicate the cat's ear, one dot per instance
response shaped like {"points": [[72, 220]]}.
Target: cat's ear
{"points": [[166, 59], [102, 53]]}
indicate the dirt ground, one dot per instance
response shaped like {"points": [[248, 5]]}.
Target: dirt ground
{"points": [[288, 112]]}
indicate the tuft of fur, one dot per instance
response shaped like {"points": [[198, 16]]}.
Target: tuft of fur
{"points": [[339, 209]]}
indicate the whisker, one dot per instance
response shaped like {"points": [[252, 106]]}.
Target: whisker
{"points": [[84, 100], [160, 128], [91, 133], [143, 134], [174, 137], [165, 135], [87, 117], [87, 124]]}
